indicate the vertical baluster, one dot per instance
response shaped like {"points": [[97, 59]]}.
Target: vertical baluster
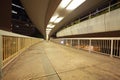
{"points": [[71, 43], [111, 48], [78, 43], [117, 49], [3, 47], [1, 56], [107, 47], [90, 45], [103, 46], [114, 48]]}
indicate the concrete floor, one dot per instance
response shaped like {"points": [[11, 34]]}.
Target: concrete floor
{"points": [[50, 61]]}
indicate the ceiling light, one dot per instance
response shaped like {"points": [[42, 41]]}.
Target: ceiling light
{"points": [[53, 18], [48, 29], [74, 4], [17, 6], [14, 12], [58, 19], [50, 26], [64, 3]]}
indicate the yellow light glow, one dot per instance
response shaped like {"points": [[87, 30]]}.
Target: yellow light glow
{"points": [[48, 29], [54, 18], [64, 3], [74, 4], [50, 26], [58, 19]]}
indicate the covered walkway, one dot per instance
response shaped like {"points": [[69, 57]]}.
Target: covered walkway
{"points": [[50, 61]]}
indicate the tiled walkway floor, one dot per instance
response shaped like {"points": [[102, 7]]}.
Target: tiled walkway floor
{"points": [[50, 61]]}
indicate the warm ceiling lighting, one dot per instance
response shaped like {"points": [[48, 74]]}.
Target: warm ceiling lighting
{"points": [[54, 18], [50, 26], [17, 6], [64, 3], [74, 4], [58, 20], [48, 29]]}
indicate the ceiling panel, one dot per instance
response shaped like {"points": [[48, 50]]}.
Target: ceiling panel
{"points": [[40, 11], [85, 8]]}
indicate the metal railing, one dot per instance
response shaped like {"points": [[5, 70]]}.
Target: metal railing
{"points": [[95, 14], [11, 46], [107, 46]]}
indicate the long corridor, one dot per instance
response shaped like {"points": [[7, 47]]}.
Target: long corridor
{"points": [[50, 61]]}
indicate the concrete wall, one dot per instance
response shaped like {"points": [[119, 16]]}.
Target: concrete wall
{"points": [[107, 22]]}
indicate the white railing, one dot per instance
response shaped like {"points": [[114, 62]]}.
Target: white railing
{"points": [[107, 46], [11, 46], [96, 13]]}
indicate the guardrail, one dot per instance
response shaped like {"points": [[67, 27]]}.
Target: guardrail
{"points": [[11, 46], [107, 46], [95, 14]]}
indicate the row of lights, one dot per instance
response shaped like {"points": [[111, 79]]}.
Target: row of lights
{"points": [[17, 6], [65, 4], [15, 12]]}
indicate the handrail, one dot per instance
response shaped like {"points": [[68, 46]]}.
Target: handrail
{"points": [[108, 38], [94, 14], [11, 46], [108, 46]]}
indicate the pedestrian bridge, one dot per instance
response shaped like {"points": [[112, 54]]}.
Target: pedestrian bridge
{"points": [[27, 58]]}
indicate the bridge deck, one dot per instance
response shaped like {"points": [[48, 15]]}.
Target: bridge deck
{"points": [[50, 61]]}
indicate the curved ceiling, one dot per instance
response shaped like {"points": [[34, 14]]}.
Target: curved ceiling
{"points": [[40, 12], [85, 8]]}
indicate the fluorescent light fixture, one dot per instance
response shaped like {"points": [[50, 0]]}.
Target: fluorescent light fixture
{"points": [[50, 26], [64, 3], [14, 12], [48, 29], [17, 6], [58, 19], [74, 4], [53, 18]]}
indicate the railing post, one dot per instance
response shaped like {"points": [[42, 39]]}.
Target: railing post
{"points": [[90, 46], [90, 16], [1, 57], [65, 42], [111, 48], [78, 43], [71, 42]]}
